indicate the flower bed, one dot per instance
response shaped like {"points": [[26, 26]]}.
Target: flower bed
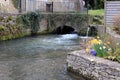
{"points": [[106, 48]]}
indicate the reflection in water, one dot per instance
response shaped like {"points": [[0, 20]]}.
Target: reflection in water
{"points": [[37, 58]]}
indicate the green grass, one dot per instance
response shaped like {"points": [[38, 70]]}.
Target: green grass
{"points": [[96, 12]]}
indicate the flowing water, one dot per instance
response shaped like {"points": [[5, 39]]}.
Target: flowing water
{"points": [[87, 33], [37, 58]]}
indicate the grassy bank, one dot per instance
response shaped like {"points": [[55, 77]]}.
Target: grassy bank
{"points": [[96, 12]]}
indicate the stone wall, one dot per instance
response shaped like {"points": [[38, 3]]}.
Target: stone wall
{"points": [[100, 29], [48, 23], [93, 68], [112, 33], [6, 6], [9, 29], [76, 20]]}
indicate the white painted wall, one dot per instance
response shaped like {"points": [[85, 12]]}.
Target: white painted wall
{"points": [[60, 5], [7, 7], [5, 2]]}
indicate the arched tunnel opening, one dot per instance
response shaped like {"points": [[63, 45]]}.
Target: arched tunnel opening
{"points": [[65, 30]]}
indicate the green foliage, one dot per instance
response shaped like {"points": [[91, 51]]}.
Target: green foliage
{"points": [[1, 18], [10, 32], [74, 19], [101, 50], [16, 3], [9, 18], [2, 27], [71, 18], [114, 54], [99, 12], [96, 19], [95, 4], [99, 4], [29, 20], [106, 48], [3, 38]]}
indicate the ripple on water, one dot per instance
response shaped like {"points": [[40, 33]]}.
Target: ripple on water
{"points": [[37, 58]]}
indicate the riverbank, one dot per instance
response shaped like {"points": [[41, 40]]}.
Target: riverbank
{"points": [[18, 25], [91, 67]]}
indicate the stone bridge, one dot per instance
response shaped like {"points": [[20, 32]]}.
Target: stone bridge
{"points": [[60, 23], [69, 22]]}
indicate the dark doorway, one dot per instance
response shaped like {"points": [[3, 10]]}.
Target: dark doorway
{"points": [[49, 7]]}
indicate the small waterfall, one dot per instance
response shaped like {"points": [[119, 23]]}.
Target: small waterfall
{"points": [[87, 33], [69, 36]]}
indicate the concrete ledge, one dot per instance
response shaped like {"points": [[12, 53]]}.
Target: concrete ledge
{"points": [[91, 67]]}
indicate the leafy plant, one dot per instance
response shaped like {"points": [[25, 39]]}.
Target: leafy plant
{"points": [[99, 12], [101, 50], [2, 27], [105, 49], [30, 20], [9, 18], [116, 23], [16, 3], [1, 18], [114, 53]]}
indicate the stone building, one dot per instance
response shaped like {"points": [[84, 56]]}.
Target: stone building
{"points": [[52, 5], [6, 6]]}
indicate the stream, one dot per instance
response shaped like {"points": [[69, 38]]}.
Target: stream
{"points": [[37, 58]]}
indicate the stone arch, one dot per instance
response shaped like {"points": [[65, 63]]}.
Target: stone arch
{"points": [[65, 30]]}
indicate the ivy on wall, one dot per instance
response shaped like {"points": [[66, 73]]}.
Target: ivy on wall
{"points": [[16, 3], [10, 30], [29, 20], [75, 19], [32, 20]]}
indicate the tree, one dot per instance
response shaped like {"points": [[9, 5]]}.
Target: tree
{"points": [[95, 4]]}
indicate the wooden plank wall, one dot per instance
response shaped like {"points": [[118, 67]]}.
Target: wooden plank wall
{"points": [[112, 8]]}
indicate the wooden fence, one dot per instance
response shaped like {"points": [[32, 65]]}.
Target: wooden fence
{"points": [[112, 8]]}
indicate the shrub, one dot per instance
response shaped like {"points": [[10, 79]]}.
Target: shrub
{"points": [[9, 18], [1, 18], [116, 23], [2, 27], [16, 3], [105, 48], [29, 20]]}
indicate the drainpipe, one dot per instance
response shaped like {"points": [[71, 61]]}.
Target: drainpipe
{"points": [[19, 6], [52, 6]]}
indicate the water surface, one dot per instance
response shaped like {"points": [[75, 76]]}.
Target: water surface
{"points": [[37, 58]]}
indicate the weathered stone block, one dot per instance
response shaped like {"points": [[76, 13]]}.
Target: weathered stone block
{"points": [[93, 68]]}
